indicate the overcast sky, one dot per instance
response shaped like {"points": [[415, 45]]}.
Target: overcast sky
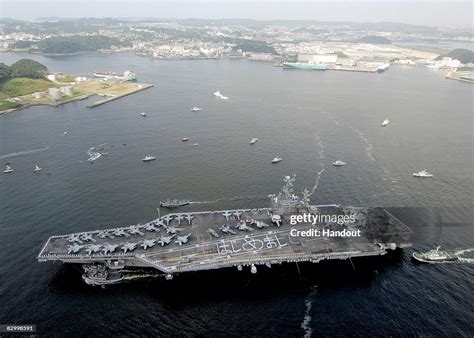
{"points": [[434, 12]]}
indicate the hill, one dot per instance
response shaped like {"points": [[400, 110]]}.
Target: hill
{"points": [[376, 40], [464, 55]]}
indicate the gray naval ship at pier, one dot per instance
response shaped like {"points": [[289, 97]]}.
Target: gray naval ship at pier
{"points": [[192, 241]]}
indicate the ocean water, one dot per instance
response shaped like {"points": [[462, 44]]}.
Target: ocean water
{"points": [[310, 119]]}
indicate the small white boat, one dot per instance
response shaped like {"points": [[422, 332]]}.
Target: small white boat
{"points": [[276, 160], [196, 108], [184, 139], [143, 114], [219, 95], [385, 122], [149, 158], [65, 133], [8, 169], [253, 140], [338, 163], [195, 144], [422, 173], [37, 168]]}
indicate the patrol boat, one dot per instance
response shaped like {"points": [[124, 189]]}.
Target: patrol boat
{"points": [[422, 173], [435, 256], [252, 238], [8, 169], [338, 163], [253, 140], [173, 203], [149, 158], [276, 160]]}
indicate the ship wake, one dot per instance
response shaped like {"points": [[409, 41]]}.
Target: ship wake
{"points": [[305, 325], [26, 152]]}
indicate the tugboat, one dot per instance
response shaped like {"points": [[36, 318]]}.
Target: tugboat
{"points": [[338, 163], [253, 140], [149, 158], [173, 203], [8, 169], [423, 173], [98, 274], [435, 256]]}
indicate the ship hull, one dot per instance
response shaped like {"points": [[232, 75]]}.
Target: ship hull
{"points": [[304, 66]]}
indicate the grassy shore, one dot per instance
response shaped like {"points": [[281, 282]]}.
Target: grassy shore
{"points": [[18, 92]]}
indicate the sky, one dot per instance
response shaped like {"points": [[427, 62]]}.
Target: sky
{"points": [[428, 12]]}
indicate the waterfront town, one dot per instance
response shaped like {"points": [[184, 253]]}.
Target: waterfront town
{"points": [[306, 45]]}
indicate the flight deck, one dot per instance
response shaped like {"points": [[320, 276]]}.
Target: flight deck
{"points": [[193, 241]]}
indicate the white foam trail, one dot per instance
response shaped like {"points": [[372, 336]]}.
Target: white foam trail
{"points": [[464, 259], [318, 176], [305, 325], [368, 145], [320, 156], [26, 152]]}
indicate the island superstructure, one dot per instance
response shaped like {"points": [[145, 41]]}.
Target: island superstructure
{"points": [[194, 241]]}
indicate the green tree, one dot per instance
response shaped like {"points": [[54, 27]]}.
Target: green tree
{"points": [[28, 68]]}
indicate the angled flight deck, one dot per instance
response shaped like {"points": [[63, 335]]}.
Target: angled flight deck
{"points": [[193, 241]]}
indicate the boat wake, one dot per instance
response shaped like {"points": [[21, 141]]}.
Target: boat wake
{"points": [[26, 152], [368, 145], [459, 254], [305, 325], [321, 156]]}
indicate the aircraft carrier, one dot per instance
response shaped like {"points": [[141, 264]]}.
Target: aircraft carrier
{"points": [[193, 241]]}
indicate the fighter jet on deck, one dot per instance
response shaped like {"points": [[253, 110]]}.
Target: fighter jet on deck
{"points": [[168, 219], [109, 248], [150, 227], [74, 248], [74, 238], [227, 230], [104, 234], [120, 232], [165, 240], [172, 230], [129, 247], [237, 214], [87, 237], [93, 248], [189, 218], [241, 225], [182, 239], [148, 243], [159, 223], [179, 218], [227, 215], [260, 224], [133, 229]]}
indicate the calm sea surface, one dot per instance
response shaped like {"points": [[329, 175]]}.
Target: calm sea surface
{"points": [[310, 119]]}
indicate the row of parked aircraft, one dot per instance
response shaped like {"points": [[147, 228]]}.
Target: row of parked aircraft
{"points": [[129, 246]]}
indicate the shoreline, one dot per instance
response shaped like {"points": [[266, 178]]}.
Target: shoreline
{"points": [[109, 98]]}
